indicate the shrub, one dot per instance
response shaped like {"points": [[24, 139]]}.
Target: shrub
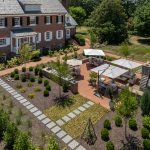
{"points": [[30, 69], [16, 71], [65, 87], [37, 89], [107, 124], [110, 146], [32, 79], [146, 122], [30, 84], [80, 39], [40, 73], [46, 93], [12, 74], [104, 134], [23, 69], [132, 124], [146, 144], [39, 80], [118, 121], [145, 133], [16, 77], [31, 96], [18, 86], [36, 71], [48, 87], [23, 90], [23, 79], [35, 55], [46, 82]]}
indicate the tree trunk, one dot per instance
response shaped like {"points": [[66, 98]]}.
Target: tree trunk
{"points": [[125, 129]]}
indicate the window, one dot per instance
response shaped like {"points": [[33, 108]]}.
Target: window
{"points": [[59, 19], [38, 37], [48, 36], [67, 19], [2, 42], [48, 20], [59, 34], [16, 21], [2, 22], [33, 20]]}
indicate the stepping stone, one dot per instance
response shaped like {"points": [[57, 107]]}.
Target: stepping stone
{"points": [[61, 134], [33, 109], [14, 93], [20, 98], [66, 118], [90, 103], [71, 115], [7, 86], [73, 144], [41, 117], [67, 139], [26, 103], [30, 106], [46, 120], [60, 122], [11, 91], [37, 113], [23, 101], [55, 129], [17, 95], [4, 84], [51, 125], [80, 148], [77, 112], [81, 108], [86, 105]]}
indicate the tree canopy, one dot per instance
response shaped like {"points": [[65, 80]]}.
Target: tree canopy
{"points": [[108, 21]]}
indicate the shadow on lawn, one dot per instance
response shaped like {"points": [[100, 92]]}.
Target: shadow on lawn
{"points": [[144, 41], [133, 143]]}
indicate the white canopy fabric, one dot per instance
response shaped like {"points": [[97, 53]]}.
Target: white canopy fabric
{"points": [[110, 71], [126, 63], [74, 62], [93, 52]]}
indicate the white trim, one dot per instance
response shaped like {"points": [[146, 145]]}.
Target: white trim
{"points": [[51, 35], [62, 34], [7, 42]]}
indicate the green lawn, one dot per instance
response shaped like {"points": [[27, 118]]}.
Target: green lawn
{"points": [[137, 52], [76, 126], [56, 112]]}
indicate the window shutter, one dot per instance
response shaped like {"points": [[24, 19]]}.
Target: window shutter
{"points": [[45, 19], [56, 19], [45, 36], [21, 21], [5, 22], [13, 22], [62, 19], [51, 35], [28, 20], [51, 19], [37, 20]]}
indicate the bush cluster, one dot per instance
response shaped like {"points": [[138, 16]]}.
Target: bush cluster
{"points": [[16, 71], [107, 124], [23, 79], [46, 82], [132, 124], [48, 87], [146, 144], [30, 69], [32, 79], [23, 69], [118, 121], [12, 74], [65, 87], [146, 122], [16, 77], [145, 133], [80, 39], [46, 93], [105, 134], [110, 146]]}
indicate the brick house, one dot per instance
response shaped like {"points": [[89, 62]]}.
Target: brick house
{"points": [[44, 24]]}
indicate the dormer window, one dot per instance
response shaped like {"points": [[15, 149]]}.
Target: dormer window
{"points": [[16, 21], [67, 19], [33, 8]]}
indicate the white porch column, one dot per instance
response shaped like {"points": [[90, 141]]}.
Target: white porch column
{"points": [[17, 46]]}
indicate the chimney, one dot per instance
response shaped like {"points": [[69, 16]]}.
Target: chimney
{"points": [[66, 3]]}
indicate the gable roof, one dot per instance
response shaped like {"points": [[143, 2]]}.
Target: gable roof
{"points": [[10, 7]]}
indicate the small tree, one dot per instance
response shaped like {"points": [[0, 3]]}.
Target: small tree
{"points": [[128, 104], [145, 102], [52, 144], [124, 50], [10, 134]]}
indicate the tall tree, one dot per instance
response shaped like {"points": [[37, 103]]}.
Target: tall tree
{"points": [[145, 102], [108, 21]]}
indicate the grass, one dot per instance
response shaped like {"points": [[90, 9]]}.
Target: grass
{"points": [[137, 52], [56, 112], [83, 31], [76, 126]]}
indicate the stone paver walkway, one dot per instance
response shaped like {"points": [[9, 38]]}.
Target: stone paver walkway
{"points": [[54, 128], [74, 113]]}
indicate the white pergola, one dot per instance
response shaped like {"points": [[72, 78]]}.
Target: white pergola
{"points": [[110, 71], [94, 52], [126, 63], [74, 62]]}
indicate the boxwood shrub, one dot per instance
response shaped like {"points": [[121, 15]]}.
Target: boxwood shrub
{"points": [[16, 71], [40, 80], [16, 77], [145, 133], [46, 82], [146, 122], [107, 124], [105, 134], [24, 69], [40, 73], [46, 93], [65, 87], [12, 74], [48, 87], [30, 69], [36, 71], [23, 79], [80, 39], [118, 121], [32, 79], [146, 144], [132, 124], [110, 145]]}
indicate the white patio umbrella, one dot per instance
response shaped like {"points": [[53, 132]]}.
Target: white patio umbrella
{"points": [[110, 71], [94, 52], [126, 63], [74, 62]]}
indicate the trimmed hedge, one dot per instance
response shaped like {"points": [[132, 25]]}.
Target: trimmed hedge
{"points": [[118, 121], [132, 124], [16, 77], [107, 124], [105, 134], [146, 144], [48, 87], [24, 69], [145, 133], [80, 39], [46, 93], [110, 145]]}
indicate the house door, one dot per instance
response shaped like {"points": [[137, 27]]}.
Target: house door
{"points": [[68, 33]]}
